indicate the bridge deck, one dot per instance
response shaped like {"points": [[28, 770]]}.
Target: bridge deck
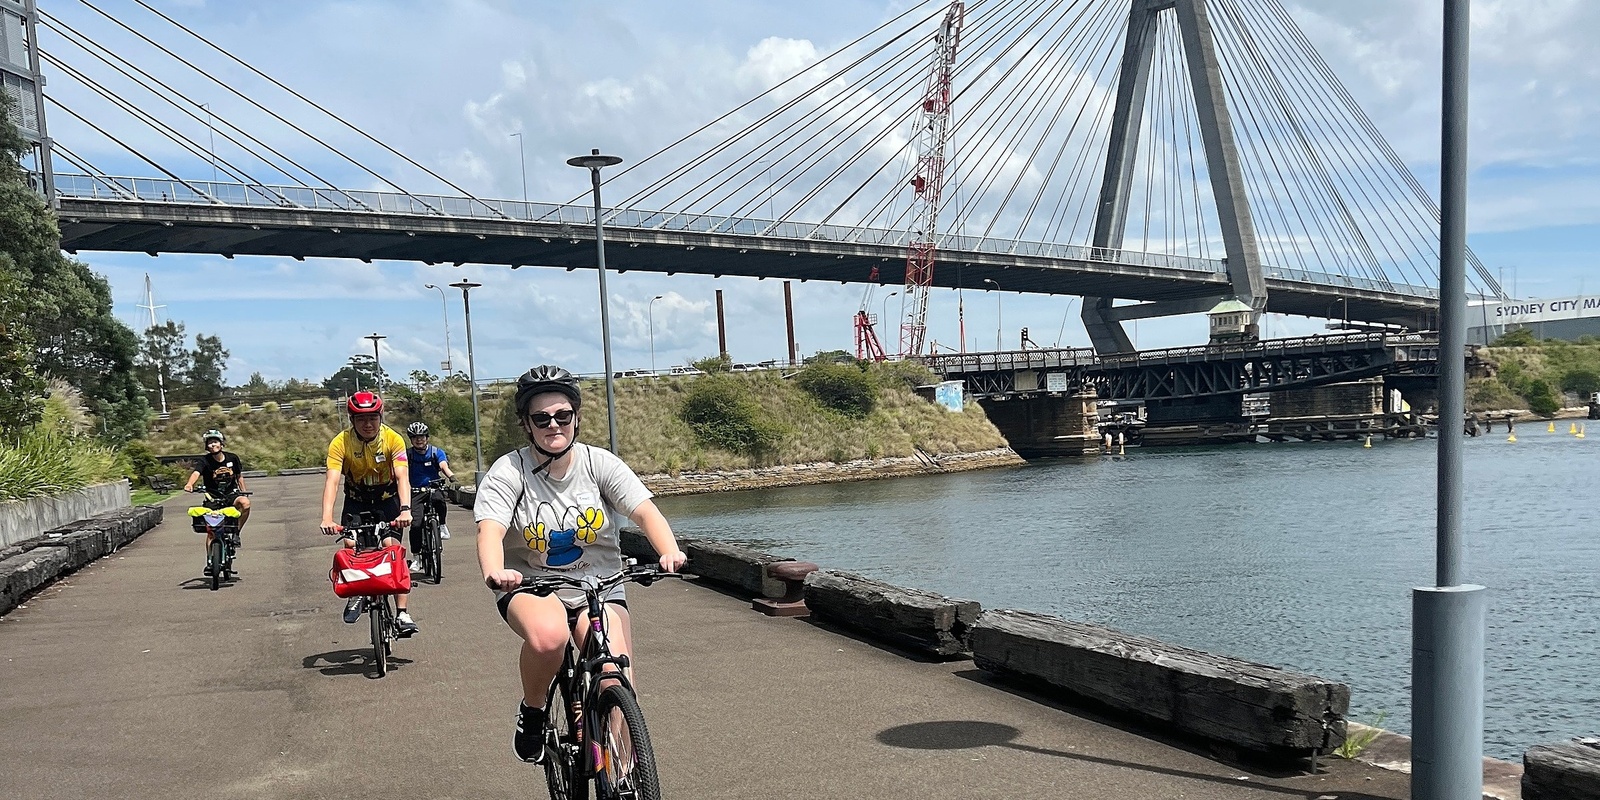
{"points": [[158, 216], [129, 680]]}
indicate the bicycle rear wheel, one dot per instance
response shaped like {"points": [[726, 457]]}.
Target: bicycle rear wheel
{"points": [[214, 558], [562, 775], [627, 767], [378, 612]]}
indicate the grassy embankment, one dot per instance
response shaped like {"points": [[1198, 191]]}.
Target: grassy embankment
{"points": [[1542, 376], [655, 437]]}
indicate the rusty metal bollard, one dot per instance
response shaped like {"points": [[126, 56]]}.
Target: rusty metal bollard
{"points": [[793, 602]]}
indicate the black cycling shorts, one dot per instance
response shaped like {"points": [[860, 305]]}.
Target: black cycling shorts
{"points": [[504, 603], [379, 510]]}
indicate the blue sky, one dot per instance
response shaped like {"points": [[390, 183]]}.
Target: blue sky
{"points": [[447, 82]]}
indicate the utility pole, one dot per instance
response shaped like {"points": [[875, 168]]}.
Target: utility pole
{"points": [[150, 303]]}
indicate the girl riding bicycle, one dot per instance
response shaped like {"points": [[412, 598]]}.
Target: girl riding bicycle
{"points": [[554, 507]]}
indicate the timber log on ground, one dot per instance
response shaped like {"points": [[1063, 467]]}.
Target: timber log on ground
{"points": [[923, 622], [729, 565], [1566, 771], [1252, 707]]}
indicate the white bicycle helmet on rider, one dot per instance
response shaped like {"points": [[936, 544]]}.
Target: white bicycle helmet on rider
{"points": [[417, 429], [206, 437]]}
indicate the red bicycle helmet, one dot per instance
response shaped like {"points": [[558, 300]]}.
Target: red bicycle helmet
{"points": [[364, 403]]}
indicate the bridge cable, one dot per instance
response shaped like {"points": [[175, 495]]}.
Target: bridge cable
{"points": [[314, 104], [94, 173], [266, 110], [770, 115], [136, 153], [101, 53], [194, 148]]}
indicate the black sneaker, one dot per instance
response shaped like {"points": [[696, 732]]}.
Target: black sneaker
{"points": [[208, 570], [353, 609], [405, 627], [528, 742]]}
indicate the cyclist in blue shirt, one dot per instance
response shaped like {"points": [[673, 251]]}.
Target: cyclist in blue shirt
{"points": [[429, 467]]}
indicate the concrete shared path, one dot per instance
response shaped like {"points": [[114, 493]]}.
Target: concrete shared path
{"points": [[131, 680]]}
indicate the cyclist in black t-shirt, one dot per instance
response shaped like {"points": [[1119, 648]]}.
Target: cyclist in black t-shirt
{"points": [[223, 475]]}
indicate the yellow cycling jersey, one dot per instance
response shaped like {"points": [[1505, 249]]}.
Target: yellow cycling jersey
{"points": [[368, 464]]}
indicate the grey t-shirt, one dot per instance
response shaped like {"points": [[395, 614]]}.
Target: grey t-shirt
{"points": [[566, 526]]}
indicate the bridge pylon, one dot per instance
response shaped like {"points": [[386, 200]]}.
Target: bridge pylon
{"points": [[1101, 319], [22, 80]]}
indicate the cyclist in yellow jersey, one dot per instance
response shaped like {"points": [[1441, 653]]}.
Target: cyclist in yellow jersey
{"points": [[370, 458]]}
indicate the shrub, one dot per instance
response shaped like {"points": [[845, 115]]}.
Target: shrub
{"points": [[271, 407], [1585, 382], [50, 459], [216, 408], [842, 388], [712, 365], [1541, 398], [452, 411], [907, 374], [722, 413], [1521, 337]]}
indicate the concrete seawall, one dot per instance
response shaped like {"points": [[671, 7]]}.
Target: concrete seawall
{"points": [[827, 472], [25, 519]]}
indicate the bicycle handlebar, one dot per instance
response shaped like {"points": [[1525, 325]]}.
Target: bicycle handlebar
{"points": [[643, 574]]}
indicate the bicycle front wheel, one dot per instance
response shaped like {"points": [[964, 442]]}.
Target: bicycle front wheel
{"points": [[562, 773], [436, 556], [627, 767], [378, 612], [214, 558]]}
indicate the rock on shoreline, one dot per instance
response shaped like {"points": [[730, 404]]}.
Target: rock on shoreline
{"points": [[865, 469]]}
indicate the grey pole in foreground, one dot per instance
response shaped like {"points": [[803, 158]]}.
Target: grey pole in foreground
{"points": [[650, 314], [376, 361], [472, 371], [1448, 619], [593, 162]]}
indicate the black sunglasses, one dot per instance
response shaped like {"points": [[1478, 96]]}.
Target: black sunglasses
{"points": [[543, 420]]}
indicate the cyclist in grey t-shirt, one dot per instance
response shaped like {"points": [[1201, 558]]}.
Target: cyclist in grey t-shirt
{"points": [[556, 507]]}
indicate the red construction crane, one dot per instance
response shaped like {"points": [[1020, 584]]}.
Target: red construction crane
{"points": [[928, 182]]}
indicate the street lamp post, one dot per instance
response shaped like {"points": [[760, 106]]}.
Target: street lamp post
{"points": [[472, 368], [999, 322], [594, 162], [885, 305], [378, 362], [445, 310], [524, 153], [649, 312]]}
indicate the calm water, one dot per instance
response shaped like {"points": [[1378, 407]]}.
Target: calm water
{"points": [[1298, 555]]}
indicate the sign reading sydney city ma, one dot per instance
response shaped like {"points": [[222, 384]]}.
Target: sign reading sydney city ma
{"points": [[1522, 311]]}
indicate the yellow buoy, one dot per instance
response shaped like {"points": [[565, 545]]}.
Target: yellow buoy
{"points": [[1573, 428], [1580, 431], [1368, 443], [1511, 438], [1552, 428]]}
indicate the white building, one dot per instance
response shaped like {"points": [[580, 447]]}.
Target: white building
{"points": [[1548, 318]]}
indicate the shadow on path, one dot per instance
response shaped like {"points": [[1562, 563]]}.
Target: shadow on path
{"points": [[355, 661], [971, 734]]}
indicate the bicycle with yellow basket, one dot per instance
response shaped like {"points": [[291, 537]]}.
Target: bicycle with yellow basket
{"points": [[218, 519]]}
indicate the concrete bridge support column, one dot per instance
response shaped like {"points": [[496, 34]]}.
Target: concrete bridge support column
{"points": [[1044, 426]]}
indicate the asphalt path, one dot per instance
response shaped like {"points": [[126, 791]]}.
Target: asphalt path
{"points": [[130, 679]]}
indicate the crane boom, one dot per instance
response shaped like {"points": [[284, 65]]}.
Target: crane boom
{"points": [[927, 183]]}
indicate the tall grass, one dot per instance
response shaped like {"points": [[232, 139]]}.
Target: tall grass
{"points": [[55, 456]]}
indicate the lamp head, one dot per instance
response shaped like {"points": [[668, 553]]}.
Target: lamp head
{"points": [[594, 160]]}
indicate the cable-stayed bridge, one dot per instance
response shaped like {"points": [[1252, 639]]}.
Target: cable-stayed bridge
{"points": [[1169, 152]]}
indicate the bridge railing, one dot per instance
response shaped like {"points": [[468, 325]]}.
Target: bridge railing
{"points": [[1005, 361], [165, 190]]}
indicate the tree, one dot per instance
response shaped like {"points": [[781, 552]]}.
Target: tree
{"points": [[424, 378], [163, 361], [63, 306], [21, 389], [712, 365], [360, 372], [257, 386], [1541, 398], [209, 361], [830, 357]]}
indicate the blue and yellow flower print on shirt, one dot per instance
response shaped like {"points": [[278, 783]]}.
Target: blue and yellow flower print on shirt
{"points": [[560, 547]]}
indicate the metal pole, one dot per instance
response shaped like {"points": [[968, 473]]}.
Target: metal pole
{"points": [[211, 132], [999, 321], [788, 318], [377, 362], [524, 152], [1448, 619], [650, 314], [885, 305], [472, 371], [444, 309], [605, 313]]}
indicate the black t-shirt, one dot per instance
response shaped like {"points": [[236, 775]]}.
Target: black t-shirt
{"points": [[221, 477]]}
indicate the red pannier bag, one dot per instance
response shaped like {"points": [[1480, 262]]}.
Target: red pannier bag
{"points": [[370, 572]]}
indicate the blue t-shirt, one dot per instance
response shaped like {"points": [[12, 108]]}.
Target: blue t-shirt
{"points": [[425, 465]]}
